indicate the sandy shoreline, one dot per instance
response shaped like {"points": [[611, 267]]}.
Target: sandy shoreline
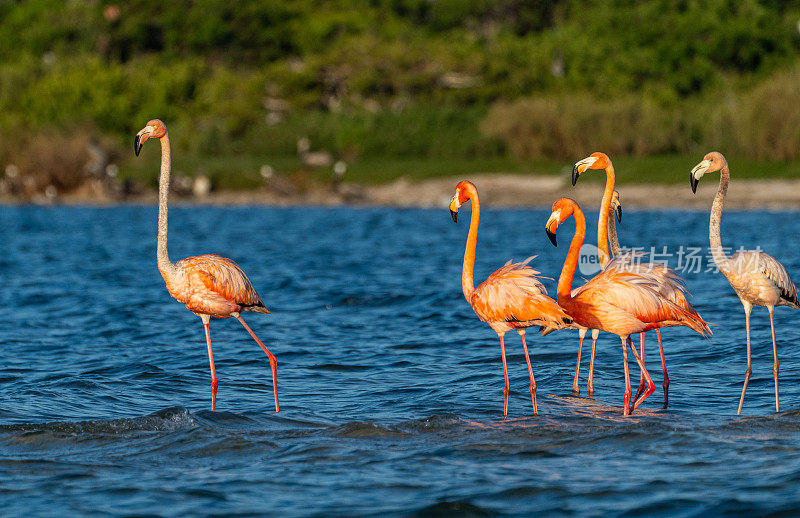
{"points": [[498, 190]]}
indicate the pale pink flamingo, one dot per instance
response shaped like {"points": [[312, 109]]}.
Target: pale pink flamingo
{"points": [[669, 284], [510, 298], [757, 278], [209, 285], [615, 300]]}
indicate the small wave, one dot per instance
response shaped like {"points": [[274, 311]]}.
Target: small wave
{"points": [[223, 419], [529, 491], [172, 418], [339, 367], [434, 423], [366, 429], [454, 508], [373, 300]]}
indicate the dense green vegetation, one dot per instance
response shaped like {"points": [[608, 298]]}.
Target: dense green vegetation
{"points": [[498, 82]]}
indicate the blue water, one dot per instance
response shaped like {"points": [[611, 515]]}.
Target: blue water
{"points": [[390, 387]]}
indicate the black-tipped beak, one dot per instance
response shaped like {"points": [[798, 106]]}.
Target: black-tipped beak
{"points": [[137, 145], [575, 175], [552, 236], [693, 182], [454, 215], [619, 213]]}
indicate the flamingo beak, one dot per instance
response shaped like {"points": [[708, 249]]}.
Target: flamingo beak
{"points": [[141, 138], [619, 213], [552, 221], [697, 172], [552, 236], [580, 167], [454, 206]]}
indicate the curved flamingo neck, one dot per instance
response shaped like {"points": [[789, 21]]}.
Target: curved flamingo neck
{"points": [[165, 266], [468, 269], [613, 239], [720, 258], [571, 262], [602, 219]]}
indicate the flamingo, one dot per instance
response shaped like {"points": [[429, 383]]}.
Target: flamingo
{"points": [[616, 207], [615, 300], [209, 285], [669, 284], [676, 294], [510, 298], [757, 278]]}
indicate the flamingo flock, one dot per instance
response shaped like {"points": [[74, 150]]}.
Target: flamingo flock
{"points": [[630, 296], [627, 296]]}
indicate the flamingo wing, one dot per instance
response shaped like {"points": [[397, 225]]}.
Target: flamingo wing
{"points": [[514, 294], [772, 269], [624, 290], [631, 295], [223, 278], [663, 278]]}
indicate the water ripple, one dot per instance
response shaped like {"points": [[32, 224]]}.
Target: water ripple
{"points": [[390, 387]]}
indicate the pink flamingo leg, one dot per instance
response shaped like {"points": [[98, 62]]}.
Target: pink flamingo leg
{"points": [[506, 386], [206, 319], [273, 362], [575, 389], [749, 371], [530, 373], [665, 381], [626, 398], [775, 355], [641, 374], [651, 387], [590, 383]]}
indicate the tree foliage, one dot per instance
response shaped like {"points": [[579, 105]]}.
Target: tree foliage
{"points": [[360, 74]]}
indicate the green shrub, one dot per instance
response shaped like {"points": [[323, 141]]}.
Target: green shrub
{"points": [[570, 125], [765, 123]]}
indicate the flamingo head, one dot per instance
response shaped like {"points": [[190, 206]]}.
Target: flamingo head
{"points": [[711, 163], [596, 160], [562, 209], [154, 129], [464, 191], [616, 205]]}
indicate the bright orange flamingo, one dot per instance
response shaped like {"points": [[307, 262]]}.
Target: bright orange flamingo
{"points": [[616, 206], [209, 285], [616, 301], [669, 284], [757, 278], [511, 298]]}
